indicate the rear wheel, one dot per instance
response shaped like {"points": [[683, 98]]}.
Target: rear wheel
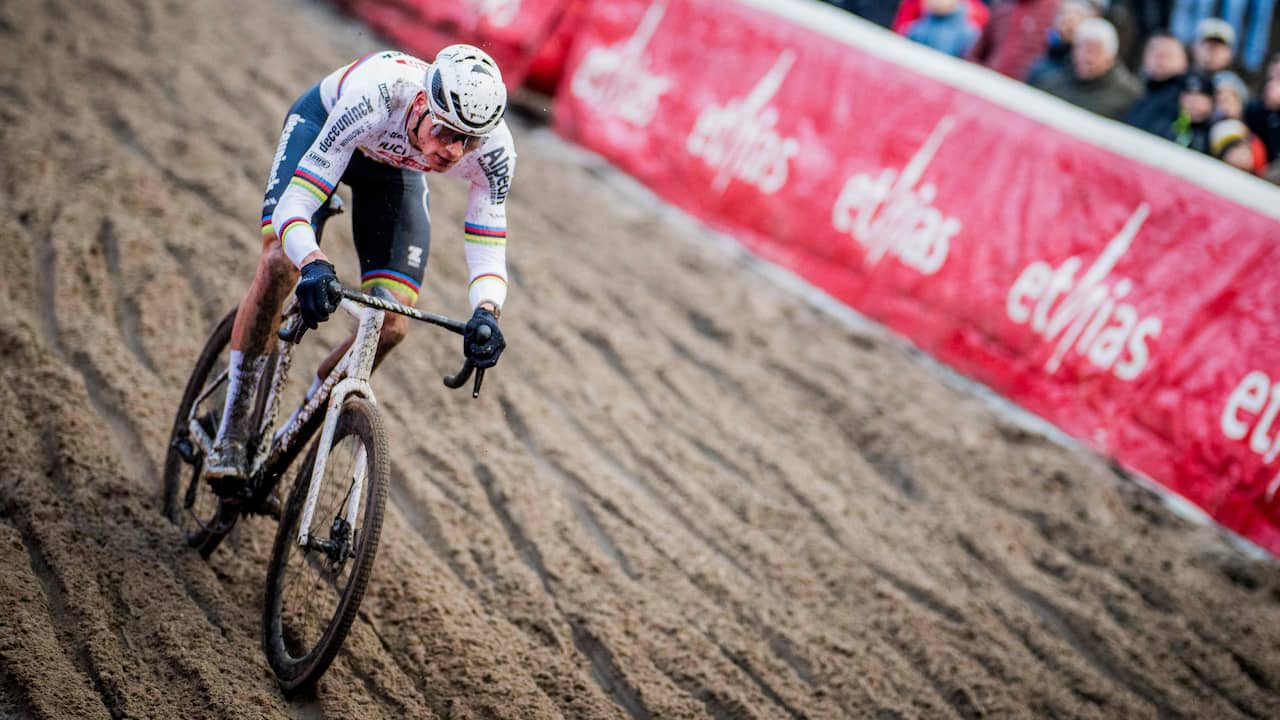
{"points": [[314, 592], [189, 501]]}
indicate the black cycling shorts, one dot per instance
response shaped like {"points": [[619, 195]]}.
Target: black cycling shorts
{"points": [[390, 221]]}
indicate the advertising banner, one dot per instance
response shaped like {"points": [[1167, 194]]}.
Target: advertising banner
{"points": [[512, 31], [1136, 309]]}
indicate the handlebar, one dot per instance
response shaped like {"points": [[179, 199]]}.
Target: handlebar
{"points": [[458, 379], [293, 332]]}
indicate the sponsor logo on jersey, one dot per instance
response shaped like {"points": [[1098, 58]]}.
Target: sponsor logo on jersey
{"points": [[892, 213], [738, 138], [411, 61], [314, 157], [1085, 311], [273, 179], [497, 167], [616, 79], [348, 119], [385, 93], [394, 148], [415, 256]]}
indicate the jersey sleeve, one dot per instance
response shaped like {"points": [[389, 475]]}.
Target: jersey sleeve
{"points": [[489, 169], [354, 115]]}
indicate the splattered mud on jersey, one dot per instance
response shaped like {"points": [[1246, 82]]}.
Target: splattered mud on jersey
{"points": [[367, 104]]}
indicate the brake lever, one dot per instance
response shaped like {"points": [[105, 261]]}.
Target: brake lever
{"points": [[293, 333], [460, 378]]}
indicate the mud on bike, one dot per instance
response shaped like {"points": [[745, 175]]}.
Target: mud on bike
{"points": [[329, 525]]}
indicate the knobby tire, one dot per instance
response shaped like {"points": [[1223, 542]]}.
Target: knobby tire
{"points": [[295, 672]]}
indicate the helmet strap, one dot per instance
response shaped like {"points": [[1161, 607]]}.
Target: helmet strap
{"points": [[422, 115]]}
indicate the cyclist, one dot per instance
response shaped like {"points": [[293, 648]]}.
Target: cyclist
{"points": [[378, 125]]}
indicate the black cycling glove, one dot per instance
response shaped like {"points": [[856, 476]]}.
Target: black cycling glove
{"points": [[318, 292], [483, 353]]}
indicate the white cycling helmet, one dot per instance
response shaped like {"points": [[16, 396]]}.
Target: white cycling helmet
{"points": [[465, 90]]}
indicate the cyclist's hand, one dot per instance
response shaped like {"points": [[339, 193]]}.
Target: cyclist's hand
{"points": [[318, 292], [483, 353]]}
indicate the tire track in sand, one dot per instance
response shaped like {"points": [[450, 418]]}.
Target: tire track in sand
{"points": [[604, 669]]}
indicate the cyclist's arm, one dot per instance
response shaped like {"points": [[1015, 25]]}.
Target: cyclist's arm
{"points": [[318, 173], [490, 169]]}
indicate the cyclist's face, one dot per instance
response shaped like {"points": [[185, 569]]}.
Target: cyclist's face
{"points": [[441, 145]]}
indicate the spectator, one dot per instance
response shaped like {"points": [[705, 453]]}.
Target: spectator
{"points": [[1229, 98], [880, 12], [1229, 142], [1164, 62], [1262, 115], [1195, 111], [1095, 80], [1057, 56], [1214, 48], [1249, 20], [945, 27], [911, 10], [1015, 36]]}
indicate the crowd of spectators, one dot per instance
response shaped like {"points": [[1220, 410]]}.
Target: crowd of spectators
{"points": [[1190, 60]]}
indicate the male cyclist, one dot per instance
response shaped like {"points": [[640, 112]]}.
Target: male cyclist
{"points": [[377, 125]]}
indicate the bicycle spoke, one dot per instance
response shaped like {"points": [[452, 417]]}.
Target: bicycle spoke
{"points": [[314, 581], [315, 590]]}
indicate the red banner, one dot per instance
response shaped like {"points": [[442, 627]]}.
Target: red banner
{"points": [[1008, 234], [512, 31]]}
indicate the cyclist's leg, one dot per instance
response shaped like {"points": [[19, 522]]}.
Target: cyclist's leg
{"points": [[258, 315], [392, 229]]}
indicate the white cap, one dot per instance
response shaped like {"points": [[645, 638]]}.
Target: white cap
{"points": [[1216, 29]]}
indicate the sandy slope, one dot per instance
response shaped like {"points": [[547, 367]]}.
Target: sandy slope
{"points": [[669, 504]]}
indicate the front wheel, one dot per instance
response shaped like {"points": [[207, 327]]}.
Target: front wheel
{"points": [[313, 592]]}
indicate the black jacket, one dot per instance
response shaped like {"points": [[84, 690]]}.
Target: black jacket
{"points": [[1266, 125], [880, 12], [1158, 108]]}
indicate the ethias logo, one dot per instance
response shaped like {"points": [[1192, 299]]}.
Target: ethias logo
{"points": [[892, 213], [1086, 312], [499, 13], [616, 80], [738, 139]]}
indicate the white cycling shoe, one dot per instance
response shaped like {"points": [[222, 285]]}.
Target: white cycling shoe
{"points": [[227, 467]]}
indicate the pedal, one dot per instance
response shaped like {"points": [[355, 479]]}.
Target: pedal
{"points": [[272, 508]]}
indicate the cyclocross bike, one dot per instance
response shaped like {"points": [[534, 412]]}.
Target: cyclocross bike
{"points": [[329, 526]]}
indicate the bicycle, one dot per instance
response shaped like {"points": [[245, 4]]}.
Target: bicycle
{"points": [[329, 543]]}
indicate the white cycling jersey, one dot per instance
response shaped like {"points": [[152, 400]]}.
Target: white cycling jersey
{"points": [[368, 103]]}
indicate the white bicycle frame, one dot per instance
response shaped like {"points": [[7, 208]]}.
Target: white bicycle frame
{"points": [[349, 377], [353, 372]]}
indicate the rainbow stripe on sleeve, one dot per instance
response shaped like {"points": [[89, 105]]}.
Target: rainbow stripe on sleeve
{"points": [[350, 69], [268, 230], [495, 276], [485, 235], [391, 280], [318, 188], [290, 224]]}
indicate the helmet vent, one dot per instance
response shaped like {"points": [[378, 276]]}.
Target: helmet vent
{"points": [[437, 91], [465, 90]]}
